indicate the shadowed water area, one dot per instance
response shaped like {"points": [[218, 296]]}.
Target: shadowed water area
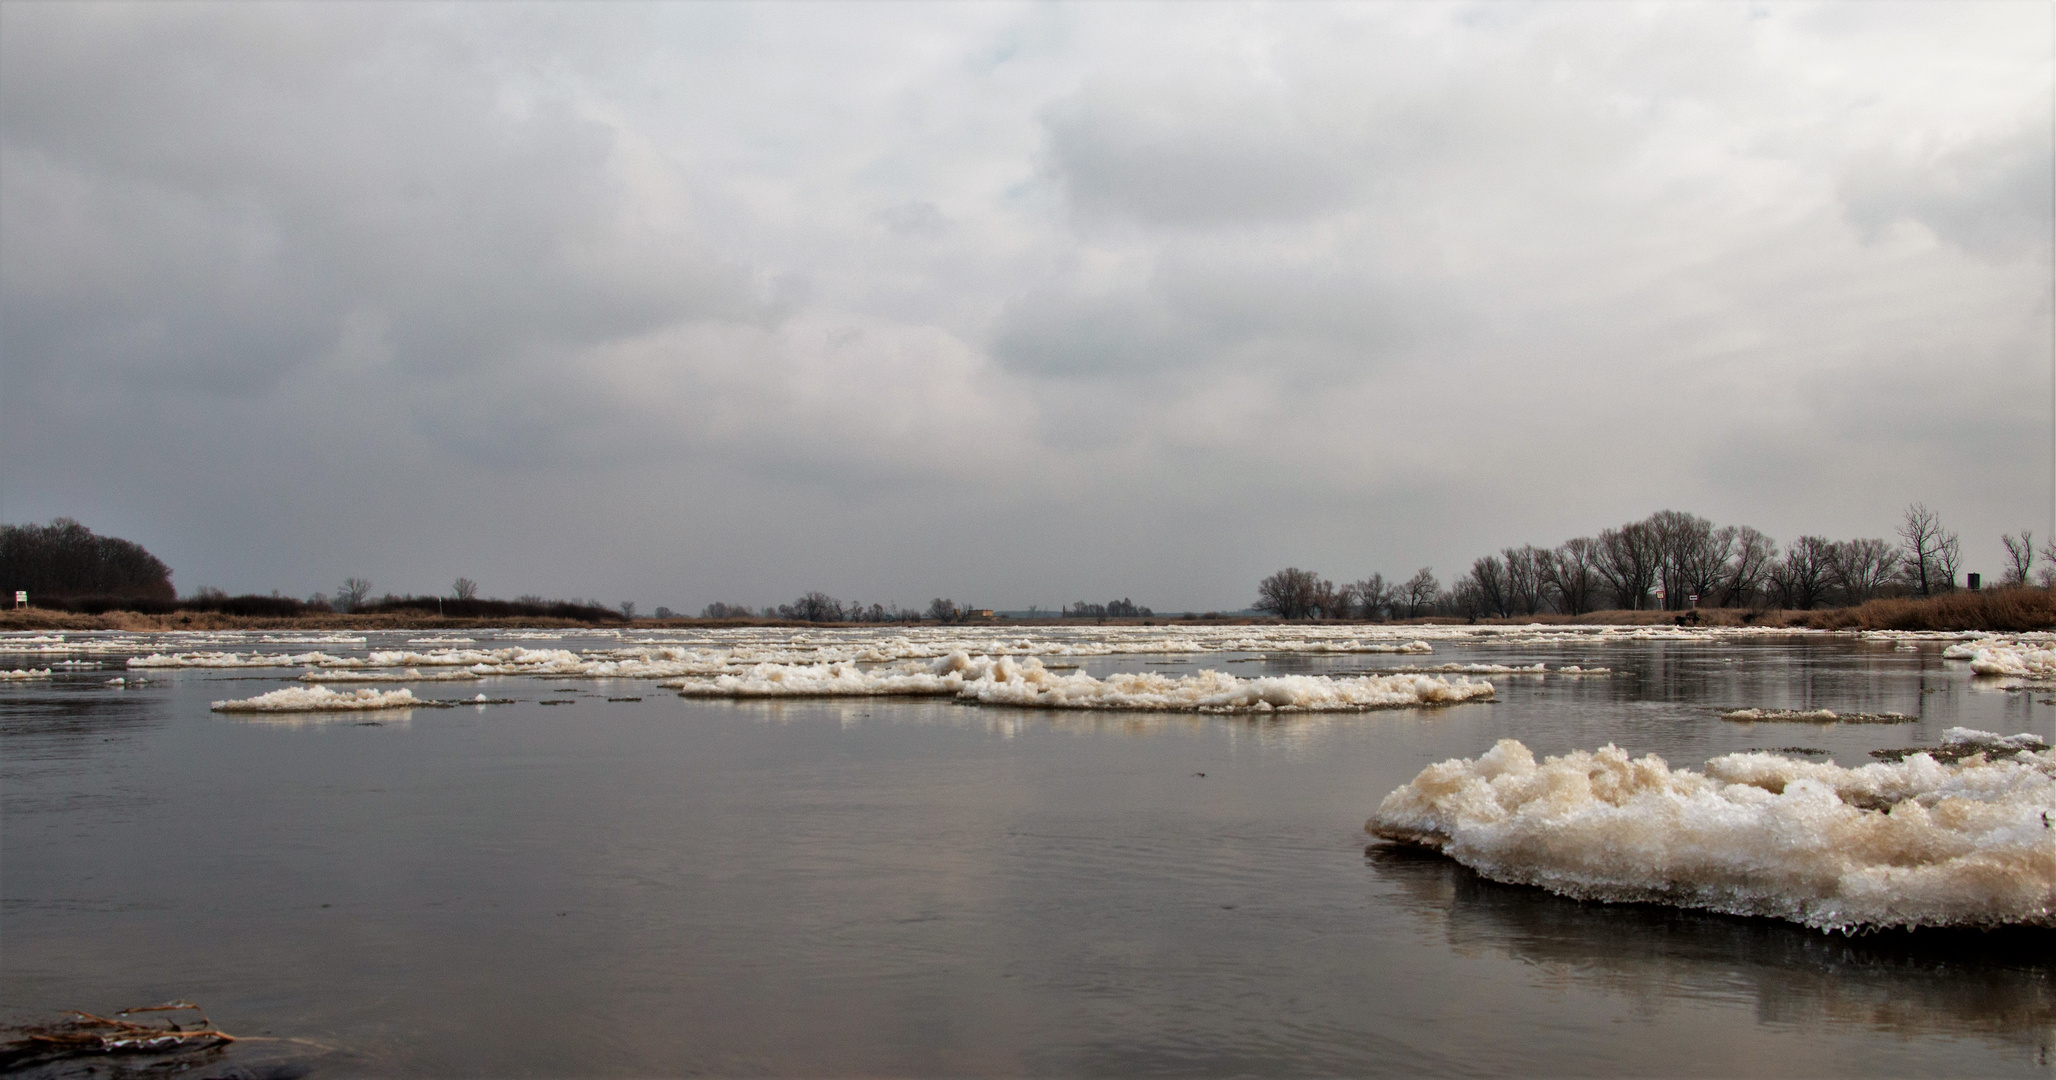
{"points": [[927, 887]]}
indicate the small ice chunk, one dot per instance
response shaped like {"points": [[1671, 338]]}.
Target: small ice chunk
{"points": [[1962, 736]]}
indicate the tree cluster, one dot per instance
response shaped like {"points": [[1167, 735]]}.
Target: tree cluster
{"points": [[530, 606], [1123, 608], [813, 607], [1670, 560], [1293, 593], [65, 560]]}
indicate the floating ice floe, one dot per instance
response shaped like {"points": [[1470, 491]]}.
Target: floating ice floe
{"points": [[2026, 660], [1813, 716], [1026, 682], [1495, 669], [237, 660], [1919, 842], [26, 673], [407, 675], [322, 699], [1986, 740]]}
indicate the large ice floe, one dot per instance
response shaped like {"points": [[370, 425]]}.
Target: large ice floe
{"points": [[1026, 682], [322, 699], [1918, 842], [2020, 659]]}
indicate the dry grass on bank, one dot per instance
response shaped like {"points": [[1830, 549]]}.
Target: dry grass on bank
{"points": [[41, 619], [2007, 610]]}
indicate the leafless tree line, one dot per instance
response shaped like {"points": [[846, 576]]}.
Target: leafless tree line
{"points": [[1123, 608], [1670, 560], [821, 607]]}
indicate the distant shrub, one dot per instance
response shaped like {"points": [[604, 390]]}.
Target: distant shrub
{"points": [[524, 608], [267, 607]]}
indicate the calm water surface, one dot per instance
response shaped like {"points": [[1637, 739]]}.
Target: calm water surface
{"points": [[671, 887]]}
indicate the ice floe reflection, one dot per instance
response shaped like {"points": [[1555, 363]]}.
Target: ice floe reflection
{"points": [[1999, 983]]}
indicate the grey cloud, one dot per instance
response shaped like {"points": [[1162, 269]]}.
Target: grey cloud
{"points": [[920, 218], [249, 183], [1990, 196], [1207, 304], [1171, 156]]}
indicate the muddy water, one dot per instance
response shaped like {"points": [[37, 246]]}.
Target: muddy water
{"points": [[665, 887]]}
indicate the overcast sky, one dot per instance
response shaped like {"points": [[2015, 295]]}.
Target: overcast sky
{"points": [[1018, 304]]}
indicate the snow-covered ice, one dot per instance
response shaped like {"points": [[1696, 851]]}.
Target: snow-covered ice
{"points": [[321, 699], [1813, 716], [1911, 843], [2022, 659], [1026, 682], [405, 675]]}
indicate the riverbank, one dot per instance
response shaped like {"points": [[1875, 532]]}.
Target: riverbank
{"points": [[1995, 610]]}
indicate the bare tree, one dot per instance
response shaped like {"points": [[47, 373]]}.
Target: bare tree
{"points": [[1802, 577], [1570, 572], [1683, 545], [1290, 593], [1488, 577], [1742, 579], [2020, 556], [1374, 598], [628, 610], [1860, 567], [1930, 551], [1704, 562], [1465, 598], [1330, 602], [1629, 558], [944, 610], [1524, 569], [1946, 560], [464, 589], [721, 610], [1419, 592], [350, 596], [815, 606]]}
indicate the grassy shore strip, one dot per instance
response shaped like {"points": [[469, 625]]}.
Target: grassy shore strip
{"points": [[2000, 610], [2004, 610]]}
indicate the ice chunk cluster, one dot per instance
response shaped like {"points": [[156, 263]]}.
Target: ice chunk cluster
{"points": [[1026, 682], [1499, 669], [320, 699], [26, 673], [2023, 659], [1913, 843], [403, 675]]}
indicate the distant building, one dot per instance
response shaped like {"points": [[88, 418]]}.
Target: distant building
{"points": [[979, 613]]}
